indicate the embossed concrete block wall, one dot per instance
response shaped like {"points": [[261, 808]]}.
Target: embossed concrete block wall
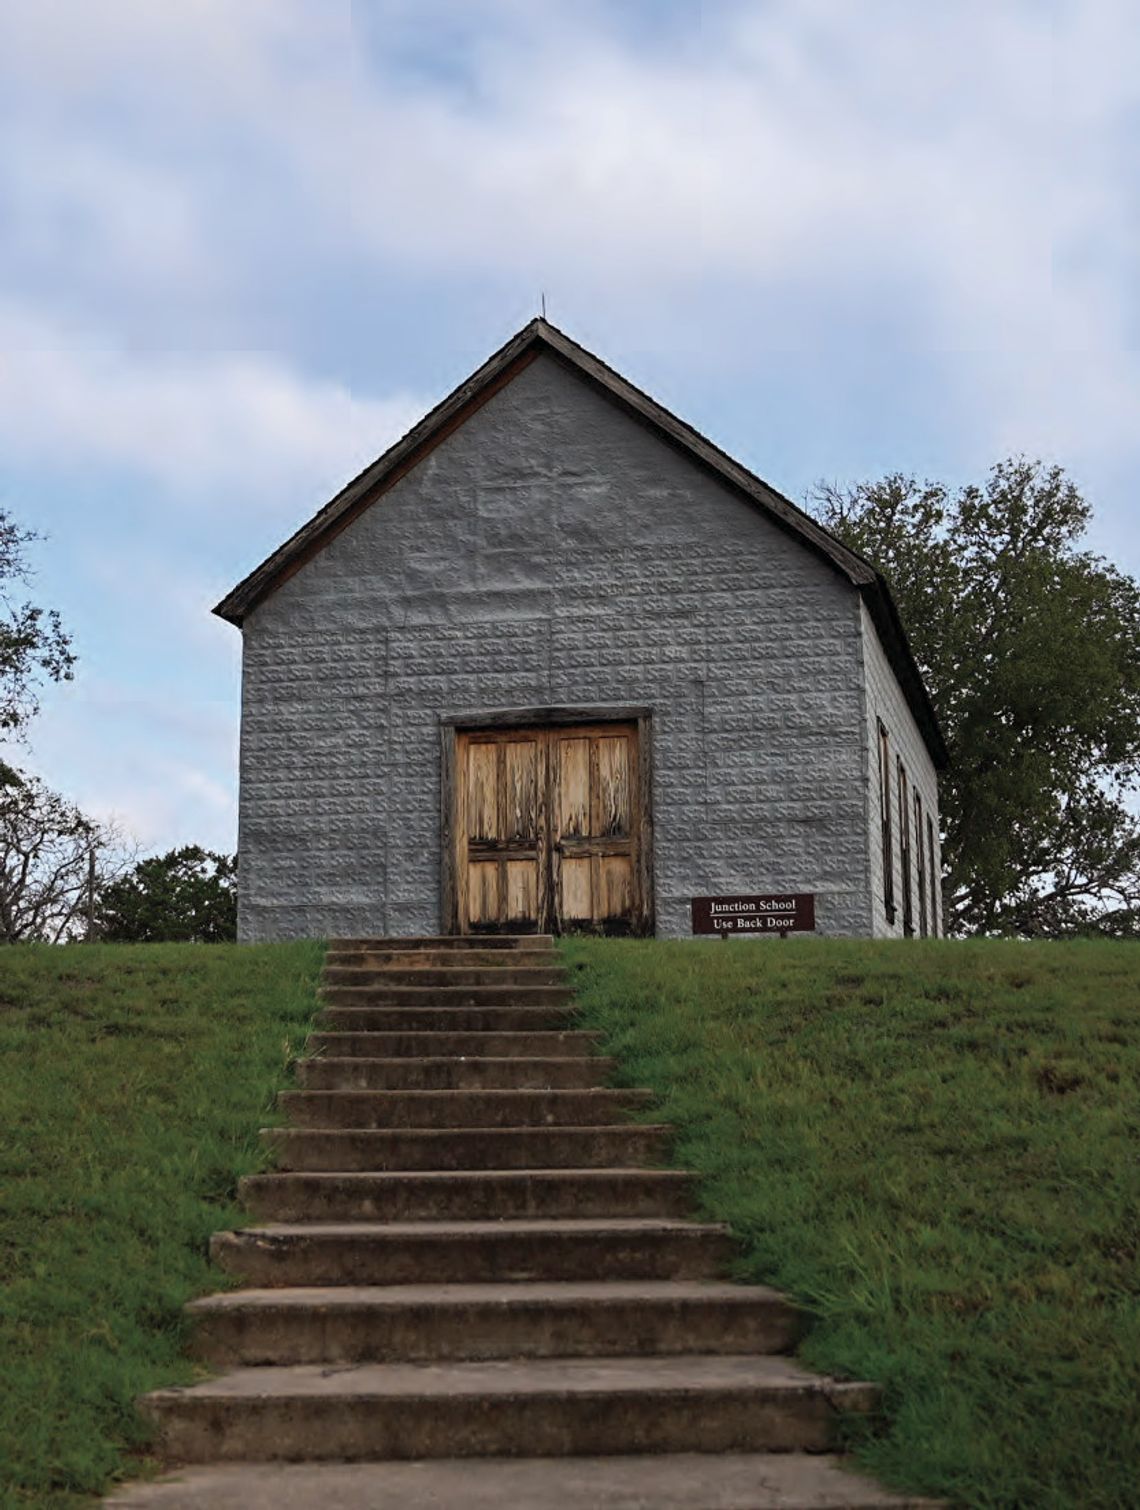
{"points": [[552, 551], [884, 700]]}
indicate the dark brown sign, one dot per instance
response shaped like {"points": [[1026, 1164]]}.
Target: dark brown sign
{"points": [[785, 912]]}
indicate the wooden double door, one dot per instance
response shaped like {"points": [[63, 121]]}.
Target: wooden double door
{"points": [[549, 830]]}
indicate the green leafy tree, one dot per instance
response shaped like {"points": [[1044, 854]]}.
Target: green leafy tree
{"points": [[188, 895], [1030, 645], [33, 643]]}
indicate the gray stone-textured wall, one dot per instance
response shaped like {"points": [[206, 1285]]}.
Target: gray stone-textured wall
{"points": [[884, 700], [552, 551]]}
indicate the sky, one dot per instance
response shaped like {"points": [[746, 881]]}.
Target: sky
{"points": [[245, 244]]}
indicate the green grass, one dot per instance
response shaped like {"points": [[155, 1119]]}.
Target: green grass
{"points": [[133, 1079], [934, 1146]]}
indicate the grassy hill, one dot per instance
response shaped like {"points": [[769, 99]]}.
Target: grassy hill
{"points": [[133, 1079], [934, 1145]]}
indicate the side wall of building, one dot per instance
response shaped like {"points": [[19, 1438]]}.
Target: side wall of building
{"points": [[552, 551], [885, 702]]}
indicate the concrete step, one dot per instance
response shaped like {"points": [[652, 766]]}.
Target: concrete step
{"points": [[400, 1253], [469, 1195], [391, 976], [469, 1148], [449, 941], [475, 1108], [434, 1045], [432, 959], [447, 996], [537, 1406], [501, 1019], [661, 1481], [463, 1322], [451, 1074]]}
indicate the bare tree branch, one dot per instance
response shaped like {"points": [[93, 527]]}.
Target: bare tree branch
{"points": [[46, 845]]}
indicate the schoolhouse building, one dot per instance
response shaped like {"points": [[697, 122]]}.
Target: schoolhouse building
{"points": [[555, 661]]}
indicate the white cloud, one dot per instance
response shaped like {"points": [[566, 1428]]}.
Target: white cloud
{"points": [[955, 153], [161, 764], [232, 428], [786, 132], [132, 220], [967, 163], [159, 804]]}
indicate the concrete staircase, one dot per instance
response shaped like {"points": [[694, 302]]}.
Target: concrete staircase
{"points": [[467, 1252]]}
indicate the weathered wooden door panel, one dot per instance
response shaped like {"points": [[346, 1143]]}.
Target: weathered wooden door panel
{"points": [[592, 841], [522, 895], [613, 787], [547, 829], [500, 830], [572, 779], [483, 894], [616, 885], [574, 890], [483, 793], [520, 773]]}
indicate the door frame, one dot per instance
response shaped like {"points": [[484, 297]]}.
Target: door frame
{"points": [[544, 718]]}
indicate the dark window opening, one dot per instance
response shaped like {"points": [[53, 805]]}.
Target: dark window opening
{"points": [[904, 850], [920, 844], [885, 822]]}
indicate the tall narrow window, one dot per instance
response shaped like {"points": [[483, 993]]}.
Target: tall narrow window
{"points": [[904, 850], [885, 822], [920, 858], [934, 886]]}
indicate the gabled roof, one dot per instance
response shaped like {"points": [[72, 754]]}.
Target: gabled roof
{"points": [[538, 337]]}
